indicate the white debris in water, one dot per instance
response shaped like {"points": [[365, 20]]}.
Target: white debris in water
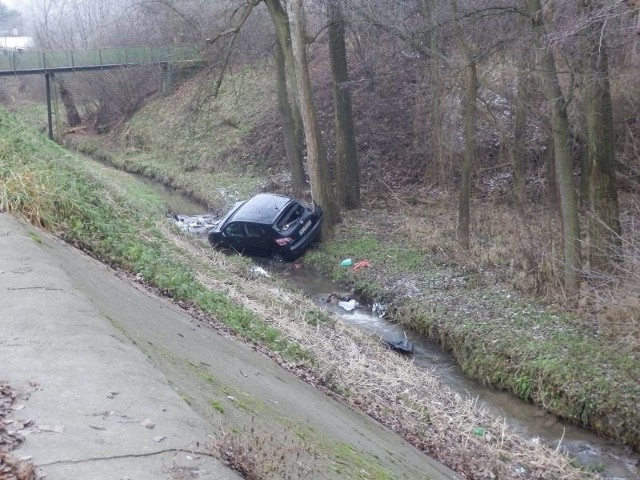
{"points": [[379, 309], [197, 225], [348, 306]]}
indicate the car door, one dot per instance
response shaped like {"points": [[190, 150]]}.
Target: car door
{"points": [[235, 236], [259, 241]]}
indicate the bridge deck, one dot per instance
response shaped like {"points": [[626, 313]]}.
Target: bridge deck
{"points": [[25, 62]]}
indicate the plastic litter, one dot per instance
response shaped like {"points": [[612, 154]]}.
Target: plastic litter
{"points": [[379, 309], [347, 262], [197, 225], [361, 264], [260, 271], [348, 306], [479, 431]]}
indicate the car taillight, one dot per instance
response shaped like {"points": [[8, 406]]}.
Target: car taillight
{"points": [[284, 241]]}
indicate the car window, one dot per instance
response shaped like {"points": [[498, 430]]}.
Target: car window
{"points": [[254, 230], [235, 230], [290, 216]]}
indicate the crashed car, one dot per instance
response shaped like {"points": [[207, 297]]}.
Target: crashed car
{"points": [[268, 225]]}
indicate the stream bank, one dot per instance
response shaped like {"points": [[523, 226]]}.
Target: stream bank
{"points": [[530, 421], [120, 224]]}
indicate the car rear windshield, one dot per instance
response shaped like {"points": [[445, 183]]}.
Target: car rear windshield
{"points": [[290, 216]]}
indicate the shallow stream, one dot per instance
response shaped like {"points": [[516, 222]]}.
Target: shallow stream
{"points": [[597, 453], [528, 420]]}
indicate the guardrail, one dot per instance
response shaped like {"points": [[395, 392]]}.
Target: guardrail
{"points": [[17, 61]]}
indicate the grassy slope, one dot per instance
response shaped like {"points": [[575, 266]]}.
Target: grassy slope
{"points": [[510, 342], [109, 217], [182, 144]]}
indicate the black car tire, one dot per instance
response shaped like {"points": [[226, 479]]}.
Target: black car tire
{"points": [[277, 257]]}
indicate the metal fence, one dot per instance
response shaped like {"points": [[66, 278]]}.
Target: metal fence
{"points": [[16, 60]]}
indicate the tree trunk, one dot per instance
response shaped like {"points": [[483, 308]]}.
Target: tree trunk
{"points": [[519, 134], [470, 113], [280, 20], [321, 186], [73, 117], [604, 221], [291, 145], [347, 165], [563, 160]]}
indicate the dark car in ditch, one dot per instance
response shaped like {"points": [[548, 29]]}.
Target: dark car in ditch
{"points": [[268, 225]]}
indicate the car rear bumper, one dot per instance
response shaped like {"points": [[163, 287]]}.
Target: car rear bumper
{"points": [[298, 247]]}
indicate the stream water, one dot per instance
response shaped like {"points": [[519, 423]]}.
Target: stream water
{"points": [[612, 460], [528, 420]]}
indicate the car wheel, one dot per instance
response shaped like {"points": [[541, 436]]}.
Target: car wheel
{"points": [[277, 257]]}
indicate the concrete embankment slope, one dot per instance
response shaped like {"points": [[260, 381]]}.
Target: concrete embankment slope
{"points": [[93, 406], [117, 383]]}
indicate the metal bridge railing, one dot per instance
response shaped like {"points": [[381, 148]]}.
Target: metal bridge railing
{"points": [[18, 60]]}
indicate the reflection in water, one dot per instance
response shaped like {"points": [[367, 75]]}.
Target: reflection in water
{"points": [[526, 419], [176, 202]]}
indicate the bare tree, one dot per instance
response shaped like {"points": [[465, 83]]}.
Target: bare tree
{"points": [[604, 222], [562, 153], [321, 186], [347, 165], [293, 129], [73, 117], [470, 113], [293, 148]]}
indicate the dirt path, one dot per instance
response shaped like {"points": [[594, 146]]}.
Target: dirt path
{"points": [[117, 383]]}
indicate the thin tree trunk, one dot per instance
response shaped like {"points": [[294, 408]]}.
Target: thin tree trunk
{"points": [[347, 165], [519, 134], [563, 160], [73, 117], [321, 187], [470, 113], [292, 148], [280, 20], [604, 221]]}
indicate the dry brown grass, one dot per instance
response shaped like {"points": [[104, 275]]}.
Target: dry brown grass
{"points": [[258, 457], [612, 301], [391, 389], [523, 252]]}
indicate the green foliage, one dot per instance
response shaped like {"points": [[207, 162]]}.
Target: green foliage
{"points": [[217, 406], [112, 219]]}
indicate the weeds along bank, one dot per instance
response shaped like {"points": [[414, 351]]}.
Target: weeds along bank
{"points": [[550, 358], [554, 359], [498, 337], [59, 191], [117, 224], [192, 143]]}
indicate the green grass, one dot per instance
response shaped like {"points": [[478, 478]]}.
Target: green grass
{"points": [[114, 219], [392, 258], [183, 144], [498, 338], [217, 406], [365, 466]]}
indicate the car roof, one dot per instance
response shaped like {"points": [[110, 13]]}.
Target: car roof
{"points": [[263, 208]]}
